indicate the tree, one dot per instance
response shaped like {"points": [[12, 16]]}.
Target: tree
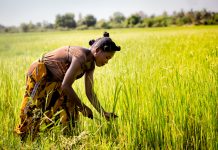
{"points": [[38, 25], [59, 21], [117, 17], [117, 20], [165, 19], [66, 21], [165, 14], [31, 26], [103, 24], [197, 17], [11, 29], [191, 16], [24, 27], [133, 20], [2, 28], [47, 25], [69, 20], [215, 18], [89, 20], [148, 22]]}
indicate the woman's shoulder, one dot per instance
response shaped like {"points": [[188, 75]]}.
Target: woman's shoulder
{"points": [[79, 48], [84, 56], [80, 52]]}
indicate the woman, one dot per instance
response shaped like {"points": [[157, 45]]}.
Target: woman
{"points": [[49, 94]]}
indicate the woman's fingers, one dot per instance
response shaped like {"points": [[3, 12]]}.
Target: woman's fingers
{"points": [[90, 116], [114, 115], [87, 112], [109, 116]]}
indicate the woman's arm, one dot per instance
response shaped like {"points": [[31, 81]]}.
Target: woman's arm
{"points": [[90, 92], [66, 86], [93, 98]]}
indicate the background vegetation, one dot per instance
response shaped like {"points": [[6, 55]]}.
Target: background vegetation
{"points": [[163, 85], [118, 20]]}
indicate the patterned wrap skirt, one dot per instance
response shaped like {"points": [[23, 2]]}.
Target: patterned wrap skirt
{"points": [[44, 102]]}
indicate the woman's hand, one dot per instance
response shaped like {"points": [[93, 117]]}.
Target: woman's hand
{"points": [[87, 112], [108, 116]]}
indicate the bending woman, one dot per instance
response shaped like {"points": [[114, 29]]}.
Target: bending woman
{"points": [[49, 85]]}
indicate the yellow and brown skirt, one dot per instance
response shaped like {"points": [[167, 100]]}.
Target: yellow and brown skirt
{"points": [[42, 102]]}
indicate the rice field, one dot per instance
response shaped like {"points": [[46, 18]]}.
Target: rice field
{"points": [[163, 85]]}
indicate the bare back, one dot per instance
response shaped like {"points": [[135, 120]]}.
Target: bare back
{"points": [[59, 60]]}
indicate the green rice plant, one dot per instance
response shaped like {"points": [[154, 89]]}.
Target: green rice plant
{"points": [[163, 85]]}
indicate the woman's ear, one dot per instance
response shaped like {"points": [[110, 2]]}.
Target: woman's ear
{"points": [[97, 51]]}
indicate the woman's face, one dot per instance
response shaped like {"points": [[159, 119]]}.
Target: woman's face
{"points": [[102, 58]]}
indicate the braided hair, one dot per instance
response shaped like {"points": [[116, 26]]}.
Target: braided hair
{"points": [[105, 43]]}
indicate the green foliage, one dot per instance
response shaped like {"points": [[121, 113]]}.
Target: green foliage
{"points": [[102, 24], [117, 17], [89, 21], [118, 20], [133, 20], [24, 27], [65, 21], [162, 85]]}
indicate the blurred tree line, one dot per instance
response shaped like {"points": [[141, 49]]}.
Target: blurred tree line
{"points": [[118, 20]]}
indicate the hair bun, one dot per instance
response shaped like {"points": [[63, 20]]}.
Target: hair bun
{"points": [[118, 48], [106, 34], [91, 42]]}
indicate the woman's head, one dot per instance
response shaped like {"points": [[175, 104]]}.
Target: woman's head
{"points": [[103, 49]]}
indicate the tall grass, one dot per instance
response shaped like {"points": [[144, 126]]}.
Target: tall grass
{"points": [[163, 85]]}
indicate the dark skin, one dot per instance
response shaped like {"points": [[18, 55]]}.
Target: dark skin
{"points": [[101, 58]]}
